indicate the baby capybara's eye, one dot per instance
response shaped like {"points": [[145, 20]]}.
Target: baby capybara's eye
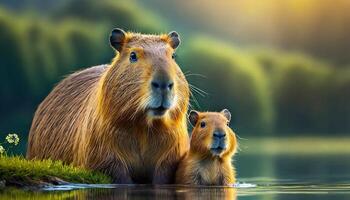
{"points": [[133, 57], [202, 124], [173, 56]]}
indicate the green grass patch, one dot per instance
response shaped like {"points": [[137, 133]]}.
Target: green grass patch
{"points": [[19, 169]]}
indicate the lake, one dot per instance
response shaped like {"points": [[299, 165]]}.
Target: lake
{"points": [[263, 174]]}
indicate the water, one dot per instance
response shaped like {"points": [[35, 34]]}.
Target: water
{"points": [[270, 177]]}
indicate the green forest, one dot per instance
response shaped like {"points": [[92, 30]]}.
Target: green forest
{"points": [[269, 92]]}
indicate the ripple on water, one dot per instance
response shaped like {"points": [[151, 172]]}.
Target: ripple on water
{"points": [[252, 189], [243, 188]]}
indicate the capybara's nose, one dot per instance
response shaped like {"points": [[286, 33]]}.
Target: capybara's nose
{"points": [[219, 134], [162, 85]]}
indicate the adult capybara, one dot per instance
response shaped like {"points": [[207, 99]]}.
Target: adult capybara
{"points": [[213, 144], [126, 119]]}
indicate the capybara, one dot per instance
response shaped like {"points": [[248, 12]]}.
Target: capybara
{"points": [[126, 119], [213, 143]]}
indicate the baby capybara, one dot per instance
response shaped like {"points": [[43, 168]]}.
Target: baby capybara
{"points": [[126, 119], [213, 143]]}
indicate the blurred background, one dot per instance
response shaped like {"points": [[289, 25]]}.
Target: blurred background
{"points": [[281, 67]]}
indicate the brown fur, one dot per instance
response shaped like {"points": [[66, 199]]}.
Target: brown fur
{"points": [[200, 166], [96, 118]]}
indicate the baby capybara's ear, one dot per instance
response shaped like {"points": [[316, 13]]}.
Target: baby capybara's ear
{"points": [[117, 39], [193, 117], [227, 114], [174, 39]]}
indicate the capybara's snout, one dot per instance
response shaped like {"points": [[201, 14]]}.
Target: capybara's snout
{"points": [[219, 142], [162, 93]]}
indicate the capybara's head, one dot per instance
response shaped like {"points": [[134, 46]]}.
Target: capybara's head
{"points": [[211, 135], [144, 77]]}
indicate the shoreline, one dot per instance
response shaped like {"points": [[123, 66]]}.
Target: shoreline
{"points": [[19, 172], [31, 184]]}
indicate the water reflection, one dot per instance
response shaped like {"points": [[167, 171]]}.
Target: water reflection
{"points": [[317, 168], [127, 192], [273, 191], [208, 193], [175, 193], [123, 193], [278, 177]]}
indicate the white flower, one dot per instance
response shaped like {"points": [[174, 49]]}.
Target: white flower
{"points": [[2, 150], [12, 139]]}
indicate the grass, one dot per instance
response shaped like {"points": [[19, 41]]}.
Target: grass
{"points": [[28, 172], [296, 145]]}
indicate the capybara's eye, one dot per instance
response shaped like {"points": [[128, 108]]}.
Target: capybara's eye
{"points": [[202, 124], [133, 57], [173, 56]]}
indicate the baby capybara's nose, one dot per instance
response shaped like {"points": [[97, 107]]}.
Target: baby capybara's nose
{"points": [[219, 134], [161, 86]]}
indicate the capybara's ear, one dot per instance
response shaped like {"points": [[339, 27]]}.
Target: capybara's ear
{"points": [[117, 39], [193, 117], [227, 114], [174, 39]]}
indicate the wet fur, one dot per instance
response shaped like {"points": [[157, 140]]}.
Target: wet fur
{"points": [[200, 166], [96, 118]]}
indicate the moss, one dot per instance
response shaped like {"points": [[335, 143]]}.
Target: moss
{"points": [[17, 169]]}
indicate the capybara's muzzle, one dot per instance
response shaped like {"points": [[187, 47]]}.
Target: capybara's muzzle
{"points": [[162, 95], [218, 143]]}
